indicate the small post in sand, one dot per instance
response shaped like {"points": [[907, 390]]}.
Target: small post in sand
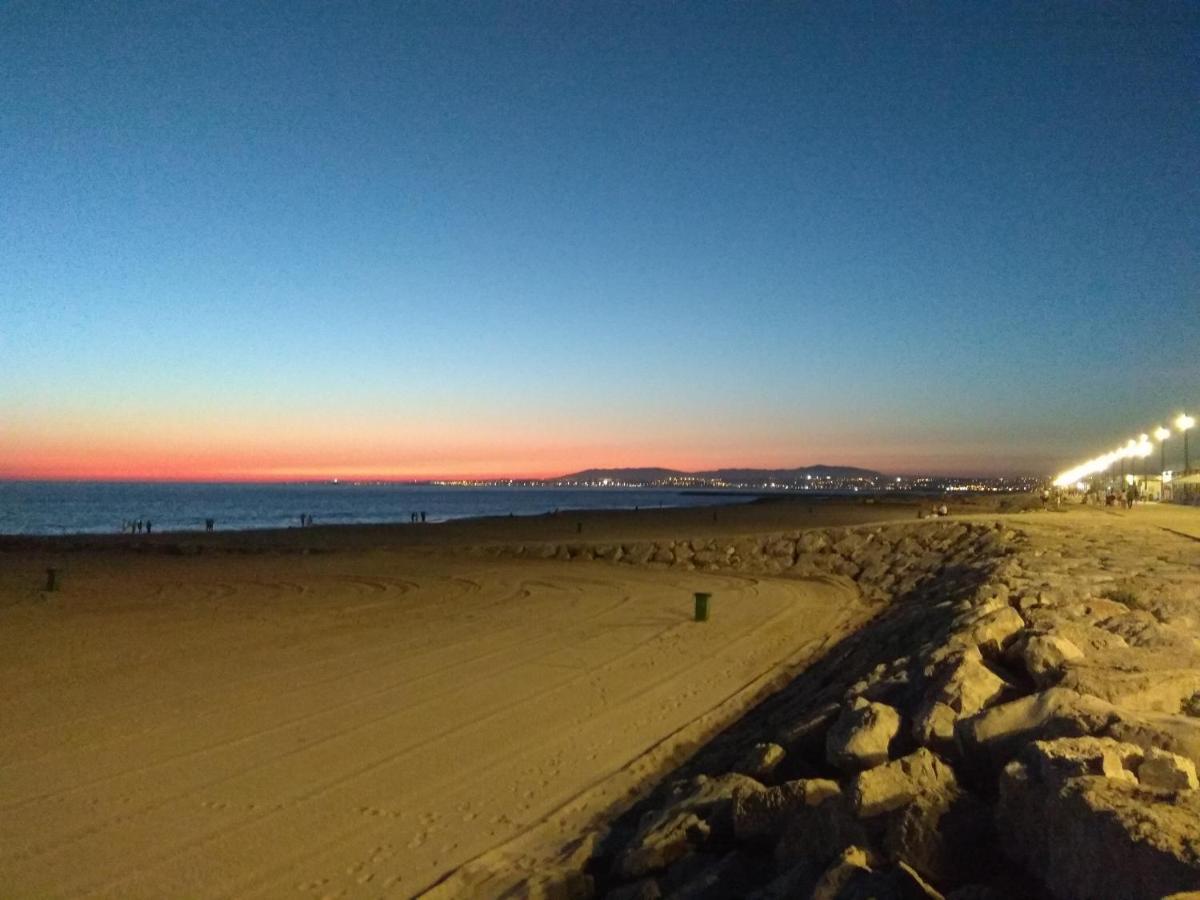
{"points": [[51, 579], [702, 606]]}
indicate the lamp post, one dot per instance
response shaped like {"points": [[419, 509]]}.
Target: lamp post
{"points": [[1183, 423], [1144, 449], [1161, 434]]}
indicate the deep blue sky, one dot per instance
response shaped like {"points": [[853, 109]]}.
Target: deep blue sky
{"points": [[533, 237]]}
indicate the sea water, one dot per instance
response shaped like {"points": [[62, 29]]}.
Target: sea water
{"points": [[70, 507]]}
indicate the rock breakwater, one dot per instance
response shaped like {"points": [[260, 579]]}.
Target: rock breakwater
{"points": [[1020, 717]]}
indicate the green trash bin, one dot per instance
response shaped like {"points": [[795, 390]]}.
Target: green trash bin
{"points": [[702, 606]]}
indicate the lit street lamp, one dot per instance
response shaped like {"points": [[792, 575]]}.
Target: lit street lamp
{"points": [[1183, 423], [1144, 449], [1161, 434]]}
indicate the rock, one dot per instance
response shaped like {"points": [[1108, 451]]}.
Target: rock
{"points": [[1084, 635], [852, 878], [1046, 655], [1052, 761], [834, 880], [1161, 690], [817, 834], [1055, 712], [811, 542], [695, 809], [1100, 837], [1167, 771], [660, 846], [860, 737], [888, 787], [663, 555], [1177, 734], [766, 813], [782, 549], [939, 834], [966, 685], [993, 631], [933, 726], [760, 760]]}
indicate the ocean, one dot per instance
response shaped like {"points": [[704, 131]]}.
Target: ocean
{"points": [[92, 507]]}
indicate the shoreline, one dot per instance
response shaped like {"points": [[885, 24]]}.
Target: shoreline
{"points": [[653, 498], [759, 511]]}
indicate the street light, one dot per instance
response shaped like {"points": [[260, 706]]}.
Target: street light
{"points": [[1183, 423], [1144, 449], [1161, 434]]}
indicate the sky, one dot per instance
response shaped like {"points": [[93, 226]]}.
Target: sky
{"points": [[413, 240]]}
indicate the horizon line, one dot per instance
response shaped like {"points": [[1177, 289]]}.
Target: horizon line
{"points": [[401, 479]]}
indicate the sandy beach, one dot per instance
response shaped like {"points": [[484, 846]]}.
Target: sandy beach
{"points": [[364, 711], [461, 710]]}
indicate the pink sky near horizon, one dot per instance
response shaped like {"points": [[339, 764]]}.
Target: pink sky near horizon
{"points": [[245, 455]]}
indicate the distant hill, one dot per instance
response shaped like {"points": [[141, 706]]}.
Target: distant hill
{"points": [[649, 475], [639, 476]]}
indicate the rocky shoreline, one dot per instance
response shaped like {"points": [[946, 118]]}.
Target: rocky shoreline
{"points": [[1021, 718]]}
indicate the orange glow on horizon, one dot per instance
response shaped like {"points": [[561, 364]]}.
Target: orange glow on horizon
{"points": [[244, 452]]}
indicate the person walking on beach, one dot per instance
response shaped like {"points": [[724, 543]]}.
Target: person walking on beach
{"points": [[149, 526]]}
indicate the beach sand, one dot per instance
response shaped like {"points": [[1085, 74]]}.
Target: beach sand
{"points": [[365, 711]]}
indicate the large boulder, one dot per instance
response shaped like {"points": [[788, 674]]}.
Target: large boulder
{"points": [[1159, 690], [856, 875], [938, 834], [764, 814], [966, 685], [782, 548], [1092, 836], [1167, 771], [694, 810], [817, 834], [933, 726], [760, 761], [1176, 733], [891, 786], [1046, 656], [656, 848], [1054, 760], [836, 881], [860, 738], [992, 631], [1056, 712], [813, 541]]}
